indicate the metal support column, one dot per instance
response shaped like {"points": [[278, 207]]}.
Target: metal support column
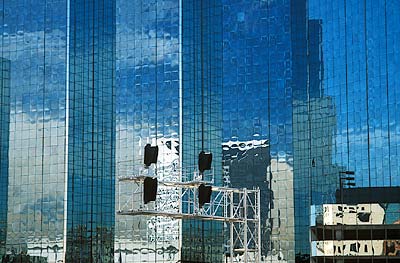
{"points": [[231, 227], [238, 208], [258, 205], [245, 241]]}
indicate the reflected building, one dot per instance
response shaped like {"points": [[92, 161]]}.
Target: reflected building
{"points": [[315, 177], [245, 165], [274, 90], [347, 105], [314, 126], [355, 229], [360, 80], [281, 224], [359, 59], [293, 75]]}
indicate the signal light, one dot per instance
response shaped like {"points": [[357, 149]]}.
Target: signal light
{"points": [[205, 160], [150, 189], [150, 154], [204, 194]]}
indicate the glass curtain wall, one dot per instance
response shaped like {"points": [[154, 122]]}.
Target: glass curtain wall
{"points": [[91, 132], [350, 104], [201, 116], [60, 127], [147, 111], [155, 77], [4, 145], [258, 76], [33, 41]]}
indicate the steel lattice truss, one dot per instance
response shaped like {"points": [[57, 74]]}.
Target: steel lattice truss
{"points": [[238, 208]]}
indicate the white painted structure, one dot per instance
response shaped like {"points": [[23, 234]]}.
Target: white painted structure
{"points": [[239, 208]]}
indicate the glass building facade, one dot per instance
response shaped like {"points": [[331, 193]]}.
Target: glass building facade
{"points": [[169, 85], [4, 135], [201, 116], [33, 41], [57, 162], [315, 79], [257, 113], [148, 85], [356, 129], [286, 94], [90, 136]]}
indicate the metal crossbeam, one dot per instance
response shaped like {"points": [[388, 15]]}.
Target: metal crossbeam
{"points": [[240, 208], [177, 215]]}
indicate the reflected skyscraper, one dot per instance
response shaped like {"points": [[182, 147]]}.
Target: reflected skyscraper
{"points": [[316, 79], [245, 165], [357, 43]]}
